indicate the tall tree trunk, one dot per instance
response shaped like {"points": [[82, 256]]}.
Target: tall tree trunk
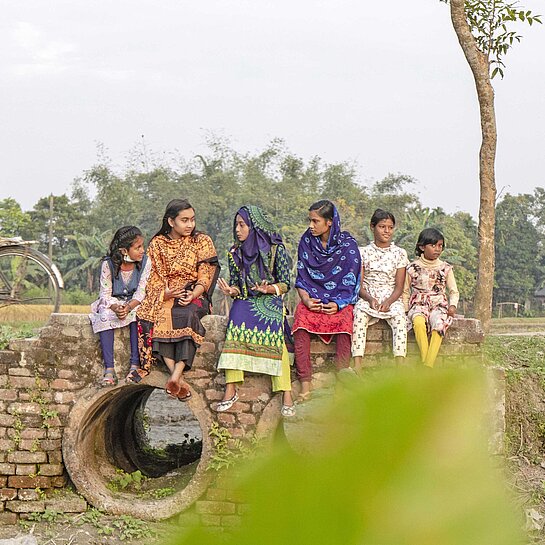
{"points": [[478, 63]]}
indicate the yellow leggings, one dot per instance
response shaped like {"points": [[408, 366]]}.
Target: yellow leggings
{"points": [[281, 383], [428, 352]]}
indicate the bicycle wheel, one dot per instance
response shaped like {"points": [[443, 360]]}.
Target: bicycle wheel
{"points": [[29, 279]]}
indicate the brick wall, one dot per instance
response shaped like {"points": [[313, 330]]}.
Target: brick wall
{"points": [[43, 379]]}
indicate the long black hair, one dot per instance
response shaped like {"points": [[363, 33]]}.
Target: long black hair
{"points": [[379, 214], [428, 236], [123, 239], [324, 208], [174, 207]]}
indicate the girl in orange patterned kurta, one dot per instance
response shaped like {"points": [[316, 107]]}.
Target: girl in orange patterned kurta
{"points": [[184, 270]]}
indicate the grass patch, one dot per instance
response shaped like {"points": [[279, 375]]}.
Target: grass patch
{"points": [[22, 331], [515, 352]]}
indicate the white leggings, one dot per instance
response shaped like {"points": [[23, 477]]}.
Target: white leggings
{"points": [[398, 323]]}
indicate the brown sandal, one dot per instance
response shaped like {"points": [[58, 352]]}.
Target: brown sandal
{"points": [[172, 389], [184, 393]]}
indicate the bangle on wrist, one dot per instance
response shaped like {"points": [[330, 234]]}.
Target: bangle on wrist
{"points": [[276, 289]]}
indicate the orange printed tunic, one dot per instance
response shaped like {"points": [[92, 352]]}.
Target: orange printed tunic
{"points": [[178, 263]]}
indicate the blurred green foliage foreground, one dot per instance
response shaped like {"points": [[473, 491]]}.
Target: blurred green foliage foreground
{"points": [[405, 463]]}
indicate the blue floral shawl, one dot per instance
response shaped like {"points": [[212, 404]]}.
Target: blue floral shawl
{"points": [[332, 273]]}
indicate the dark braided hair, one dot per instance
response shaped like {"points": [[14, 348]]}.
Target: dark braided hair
{"points": [[123, 238], [174, 207]]}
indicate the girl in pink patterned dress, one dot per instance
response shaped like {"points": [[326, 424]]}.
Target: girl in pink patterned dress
{"points": [[428, 279]]}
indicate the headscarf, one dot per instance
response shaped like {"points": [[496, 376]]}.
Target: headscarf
{"points": [[332, 273], [253, 254]]}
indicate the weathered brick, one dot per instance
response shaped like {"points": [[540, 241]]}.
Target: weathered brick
{"points": [[7, 469], [64, 384], [72, 504], [197, 373], [50, 444], [8, 518], [64, 397], [318, 347], [28, 494], [61, 409], [25, 457], [215, 494], [210, 520], [59, 482], [25, 469], [226, 419], [7, 420], [3, 481], [20, 506], [33, 433], [19, 372], [22, 382], [28, 444], [29, 482], [213, 395], [24, 408], [65, 373], [8, 494], [231, 521], [54, 433], [246, 419], [207, 347], [373, 348], [205, 507], [8, 357], [51, 470], [8, 395], [7, 444], [54, 457]]}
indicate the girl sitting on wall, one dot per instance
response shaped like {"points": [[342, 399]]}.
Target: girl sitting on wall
{"points": [[123, 277], [184, 270], [328, 282], [257, 330], [383, 277], [428, 280]]}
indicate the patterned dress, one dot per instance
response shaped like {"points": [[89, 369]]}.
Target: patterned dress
{"points": [[380, 266], [428, 282], [102, 317], [176, 263], [257, 331]]}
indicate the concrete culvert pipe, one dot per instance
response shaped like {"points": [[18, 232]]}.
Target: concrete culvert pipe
{"points": [[112, 438]]}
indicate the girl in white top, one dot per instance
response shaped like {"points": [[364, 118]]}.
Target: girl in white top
{"points": [[383, 276]]}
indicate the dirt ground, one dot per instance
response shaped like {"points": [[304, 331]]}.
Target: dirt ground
{"points": [[80, 530]]}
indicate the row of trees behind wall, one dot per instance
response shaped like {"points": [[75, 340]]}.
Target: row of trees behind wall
{"points": [[217, 183]]}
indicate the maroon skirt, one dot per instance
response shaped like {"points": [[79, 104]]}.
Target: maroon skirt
{"points": [[324, 325]]}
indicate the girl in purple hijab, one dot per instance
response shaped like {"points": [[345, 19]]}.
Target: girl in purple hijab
{"points": [[256, 339], [328, 281]]}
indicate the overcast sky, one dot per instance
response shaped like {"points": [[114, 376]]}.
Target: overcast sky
{"points": [[384, 84]]}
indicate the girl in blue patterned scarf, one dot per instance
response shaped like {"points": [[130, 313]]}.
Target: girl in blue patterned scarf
{"points": [[328, 280]]}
